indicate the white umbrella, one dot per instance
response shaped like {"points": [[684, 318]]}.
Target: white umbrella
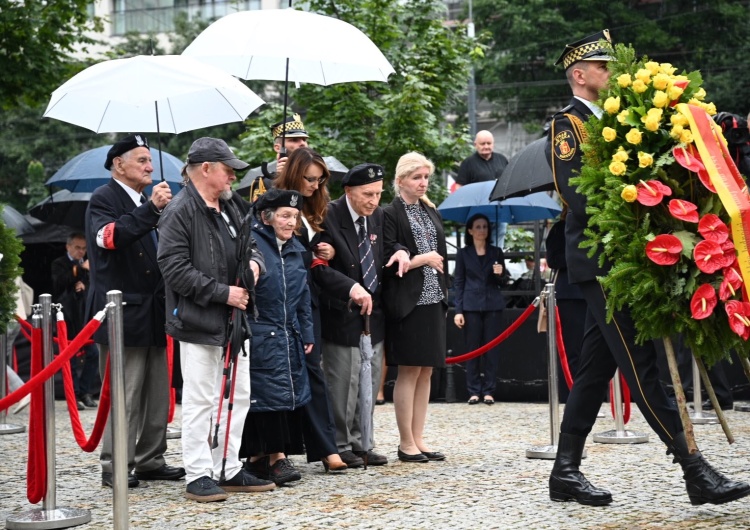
{"points": [[321, 50], [123, 95]]}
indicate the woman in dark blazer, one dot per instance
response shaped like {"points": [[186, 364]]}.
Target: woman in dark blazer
{"points": [[480, 274], [415, 303]]}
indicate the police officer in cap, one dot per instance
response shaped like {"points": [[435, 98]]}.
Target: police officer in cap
{"points": [[608, 345]]}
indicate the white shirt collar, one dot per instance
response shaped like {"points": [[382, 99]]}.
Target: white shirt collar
{"points": [[592, 106], [131, 192]]}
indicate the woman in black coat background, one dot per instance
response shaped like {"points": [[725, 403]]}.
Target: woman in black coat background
{"points": [[478, 279]]}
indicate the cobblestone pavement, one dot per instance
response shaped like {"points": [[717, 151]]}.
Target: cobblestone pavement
{"points": [[486, 482]]}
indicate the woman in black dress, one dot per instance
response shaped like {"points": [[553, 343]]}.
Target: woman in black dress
{"points": [[415, 303]]}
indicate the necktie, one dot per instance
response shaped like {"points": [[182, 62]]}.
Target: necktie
{"points": [[366, 259]]}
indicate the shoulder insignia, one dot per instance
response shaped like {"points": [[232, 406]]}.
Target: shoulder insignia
{"points": [[564, 145]]}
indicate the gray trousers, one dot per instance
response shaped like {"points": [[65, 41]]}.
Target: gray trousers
{"points": [[341, 365], [146, 408]]}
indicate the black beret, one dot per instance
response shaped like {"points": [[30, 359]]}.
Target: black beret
{"points": [[596, 47], [276, 198], [363, 174], [123, 146]]}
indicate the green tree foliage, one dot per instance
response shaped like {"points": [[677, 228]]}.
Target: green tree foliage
{"points": [[36, 39], [518, 75], [10, 259]]}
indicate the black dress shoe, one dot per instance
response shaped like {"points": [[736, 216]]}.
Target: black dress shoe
{"points": [[724, 406], [380, 401], [373, 458], [80, 405], [88, 401], [350, 459], [165, 472], [107, 480], [419, 457], [434, 456]]}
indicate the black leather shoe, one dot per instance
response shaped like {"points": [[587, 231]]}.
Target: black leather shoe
{"points": [[704, 484], [165, 472], [80, 405], [566, 482], [89, 402], [434, 456], [373, 458], [724, 406], [350, 459], [419, 457], [107, 480]]}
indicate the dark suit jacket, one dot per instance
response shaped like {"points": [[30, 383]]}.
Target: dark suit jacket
{"points": [[564, 290], [400, 295], [564, 155], [342, 325], [476, 287], [129, 265], [65, 275]]}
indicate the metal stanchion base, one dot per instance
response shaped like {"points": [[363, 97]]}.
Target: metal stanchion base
{"points": [[546, 452], [742, 407], [173, 432], [703, 418], [9, 428], [57, 518], [620, 437]]}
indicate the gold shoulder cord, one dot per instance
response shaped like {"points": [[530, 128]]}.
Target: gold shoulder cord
{"points": [[552, 161], [578, 128]]}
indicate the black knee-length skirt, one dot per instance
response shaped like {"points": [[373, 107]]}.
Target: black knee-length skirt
{"points": [[418, 339]]}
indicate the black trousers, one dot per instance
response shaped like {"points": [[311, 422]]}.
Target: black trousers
{"points": [[572, 323], [606, 347], [480, 327]]}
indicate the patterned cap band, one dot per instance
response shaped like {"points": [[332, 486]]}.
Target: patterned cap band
{"points": [[591, 48], [293, 126]]}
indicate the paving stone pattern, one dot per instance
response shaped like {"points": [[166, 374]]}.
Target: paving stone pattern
{"points": [[486, 482]]}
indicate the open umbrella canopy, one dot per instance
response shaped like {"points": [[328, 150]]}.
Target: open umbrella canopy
{"points": [[14, 219], [475, 198], [63, 208], [527, 172], [85, 171], [151, 93], [337, 169], [321, 50]]}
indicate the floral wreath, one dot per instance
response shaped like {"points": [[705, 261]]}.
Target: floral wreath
{"points": [[666, 205]]}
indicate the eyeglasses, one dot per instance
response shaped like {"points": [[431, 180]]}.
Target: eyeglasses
{"points": [[313, 180], [230, 227]]}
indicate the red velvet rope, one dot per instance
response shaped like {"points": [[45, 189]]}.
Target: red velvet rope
{"points": [[561, 350], [36, 465], [625, 399], [102, 412], [494, 342], [170, 364]]}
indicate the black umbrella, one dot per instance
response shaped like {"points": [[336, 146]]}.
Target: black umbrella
{"points": [[63, 208], [14, 219], [527, 172]]}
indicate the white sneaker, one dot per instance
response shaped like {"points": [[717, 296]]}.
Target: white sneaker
{"points": [[21, 404]]}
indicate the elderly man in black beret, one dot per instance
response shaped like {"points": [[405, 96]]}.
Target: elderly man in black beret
{"points": [[121, 241], [354, 227], [198, 256]]}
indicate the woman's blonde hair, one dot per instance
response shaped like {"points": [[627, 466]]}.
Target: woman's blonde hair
{"points": [[408, 164]]}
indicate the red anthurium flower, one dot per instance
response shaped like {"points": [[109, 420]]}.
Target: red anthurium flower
{"points": [[739, 317], [687, 159], [652, 192], [730, 284], [664, 249], [683, 210], [713, 228], [708, 256], [703, 302], [730, 253]]}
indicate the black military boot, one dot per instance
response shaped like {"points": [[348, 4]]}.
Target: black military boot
{"points": [[704, 484], [566, 482]]}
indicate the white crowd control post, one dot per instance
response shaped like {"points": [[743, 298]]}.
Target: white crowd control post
{"points": [[698, 417], [50, 515], [5, 427], [619, 435], [549, 452]]}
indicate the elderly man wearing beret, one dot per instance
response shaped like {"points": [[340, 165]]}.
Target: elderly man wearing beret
{"points": [[121, 241], [354, 227]]}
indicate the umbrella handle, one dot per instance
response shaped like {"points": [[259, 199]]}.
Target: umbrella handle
{"points": [[367, 324]]}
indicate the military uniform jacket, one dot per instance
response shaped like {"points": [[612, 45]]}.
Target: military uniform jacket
{"points": [[343, 325], [128, 264], [564, 141]]}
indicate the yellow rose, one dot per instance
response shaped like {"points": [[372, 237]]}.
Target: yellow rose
{"points": [[686, 137], [661, 81], [656, 113], [711, 109], [667, 68], [639, 87], [676, 132], [643, 75], [609, 134], [700, 94], [621, 155], [653, 67], [675, 92], [623, 116], [678, 119], [652, 123], [645, 159], [661, 99], [617, 168], [633, 136], [612, 105], [629, 193], [624, 80]]}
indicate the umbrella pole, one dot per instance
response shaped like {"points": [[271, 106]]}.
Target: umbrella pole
{"points": [[282, 151], [158, 140]]}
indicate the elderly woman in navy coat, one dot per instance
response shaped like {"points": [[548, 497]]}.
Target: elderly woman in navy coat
{"points": [[480, 274], [282, 334]]}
